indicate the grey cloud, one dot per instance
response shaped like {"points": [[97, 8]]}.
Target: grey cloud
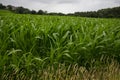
{"points": [[45, 1], [68, 1], [56, 1]]}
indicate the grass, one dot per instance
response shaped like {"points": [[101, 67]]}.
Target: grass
{"points": [[58, 48], [71, 72], [5, 12]]}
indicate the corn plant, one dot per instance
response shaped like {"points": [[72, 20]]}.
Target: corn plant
{"points": [[29, 44]]}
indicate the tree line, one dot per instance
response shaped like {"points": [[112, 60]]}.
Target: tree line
{"points": [[102, 13]]}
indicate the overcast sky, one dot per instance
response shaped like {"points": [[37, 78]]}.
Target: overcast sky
{"points": [[64, 6]]}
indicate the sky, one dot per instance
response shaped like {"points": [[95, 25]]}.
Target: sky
{"points": [[64, 6]]}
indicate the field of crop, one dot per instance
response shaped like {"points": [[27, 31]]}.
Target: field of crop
{"points": [[34, 47]]}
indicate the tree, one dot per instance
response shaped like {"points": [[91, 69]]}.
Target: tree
{"points": [[9, 7], [19, 10], [41, 12], [33, 12], [22, 10], [26, 11], [2, 6]]}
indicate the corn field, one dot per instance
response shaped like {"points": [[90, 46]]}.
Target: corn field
{"points": [[34, 47]]}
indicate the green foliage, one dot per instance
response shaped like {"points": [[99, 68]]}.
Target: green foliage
{"points": [[29, 43]]}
